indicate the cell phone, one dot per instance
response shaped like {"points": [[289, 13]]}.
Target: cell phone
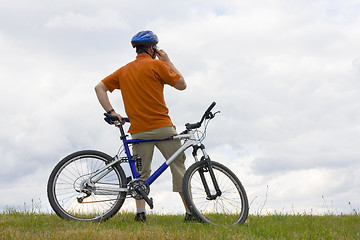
{"points": [[154, 48]]}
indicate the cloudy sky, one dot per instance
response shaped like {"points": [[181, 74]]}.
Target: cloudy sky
{"points": [[285, 75]]}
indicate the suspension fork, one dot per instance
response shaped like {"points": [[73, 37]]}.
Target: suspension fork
{"points": [[207, 166]]}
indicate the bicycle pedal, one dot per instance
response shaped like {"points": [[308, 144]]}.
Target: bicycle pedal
{"points": [[151, 204]]}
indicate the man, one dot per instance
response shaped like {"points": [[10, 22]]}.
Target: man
{"points": [[141, 83]]}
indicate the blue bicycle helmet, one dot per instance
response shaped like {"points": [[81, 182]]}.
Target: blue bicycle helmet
{"points": [[144, 38]]}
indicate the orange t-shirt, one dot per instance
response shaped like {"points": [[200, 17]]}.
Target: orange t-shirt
{"points": [[142, 83]]}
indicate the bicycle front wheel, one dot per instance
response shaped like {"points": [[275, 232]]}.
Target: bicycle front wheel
{"points": [[72, 195], [229, 207]]}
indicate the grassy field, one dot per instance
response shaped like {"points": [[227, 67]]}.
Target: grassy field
{"points": [[17, 225]]}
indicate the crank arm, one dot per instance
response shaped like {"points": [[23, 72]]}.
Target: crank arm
{"points": [[148, 200]]}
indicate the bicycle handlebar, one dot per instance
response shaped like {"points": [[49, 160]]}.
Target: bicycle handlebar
{"points": [[207, 115], [112, 119]]}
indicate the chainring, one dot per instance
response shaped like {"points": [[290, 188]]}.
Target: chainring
{"points": [[136, 184]]}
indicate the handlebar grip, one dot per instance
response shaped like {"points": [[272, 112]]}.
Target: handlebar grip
{"points": [[207, 112], [211, 107], [190, 126], [124, 119], [111, 119]]}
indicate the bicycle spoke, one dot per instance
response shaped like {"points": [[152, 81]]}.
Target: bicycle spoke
{"points": [[232, 202], [73, 195]]}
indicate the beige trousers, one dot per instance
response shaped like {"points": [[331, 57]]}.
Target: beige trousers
{"points": [[167, 148]]}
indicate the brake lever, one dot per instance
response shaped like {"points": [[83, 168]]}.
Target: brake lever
{"points": [[216, 113], [212, 115]]}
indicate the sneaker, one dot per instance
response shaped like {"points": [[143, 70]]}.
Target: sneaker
{"points": [[189, 217], [140, 217]]}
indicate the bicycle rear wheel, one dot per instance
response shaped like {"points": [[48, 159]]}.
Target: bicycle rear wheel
{"points": [[231, 207], [72, 196]]}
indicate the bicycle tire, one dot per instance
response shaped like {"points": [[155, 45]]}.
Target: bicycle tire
{"points": [[231, 207], [66, 179]]}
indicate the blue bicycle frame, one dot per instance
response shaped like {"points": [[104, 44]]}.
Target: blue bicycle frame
{"points": [[166, 164]]}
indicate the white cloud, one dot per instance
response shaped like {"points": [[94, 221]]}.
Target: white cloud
{"points": [[104, 18]]}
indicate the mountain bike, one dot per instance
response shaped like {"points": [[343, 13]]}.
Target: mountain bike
{"points": [[92, 186]]}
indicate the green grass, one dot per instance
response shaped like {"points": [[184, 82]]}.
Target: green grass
{"points": [[17, 225]]}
